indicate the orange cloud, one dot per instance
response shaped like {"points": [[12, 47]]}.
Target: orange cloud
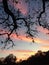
{"points": [[20, 54], [12, 51], [44, 48], [41, 41], [37, 40], [21, 37], [24, 51]]}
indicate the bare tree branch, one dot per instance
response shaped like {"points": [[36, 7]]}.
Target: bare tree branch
{"points": [[13, 25], [43, 7]]}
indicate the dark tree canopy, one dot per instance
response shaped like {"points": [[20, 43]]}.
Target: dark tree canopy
{"points": [[40, 58], [12, 20]]}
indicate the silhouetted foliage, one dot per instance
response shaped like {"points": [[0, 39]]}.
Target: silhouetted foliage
{"points": [[10, 59], [40, 58]]}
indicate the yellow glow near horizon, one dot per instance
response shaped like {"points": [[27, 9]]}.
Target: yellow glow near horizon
{"points": [[20, 54]]}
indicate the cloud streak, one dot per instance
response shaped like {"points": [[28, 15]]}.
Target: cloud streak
{"points": [[37, 40], [44, 47], [20, 54]]}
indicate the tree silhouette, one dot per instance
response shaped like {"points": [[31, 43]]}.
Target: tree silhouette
{"points": [[10, 59], [11, 23], [40, 57]]}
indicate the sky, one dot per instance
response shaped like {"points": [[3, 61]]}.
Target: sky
{"points": [[25, 47]]}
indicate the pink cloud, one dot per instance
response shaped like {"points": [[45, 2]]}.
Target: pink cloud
{"points": [[43, 30], [22, 7]]}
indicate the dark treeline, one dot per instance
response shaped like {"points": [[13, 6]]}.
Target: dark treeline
{"points": [[40, 58]]}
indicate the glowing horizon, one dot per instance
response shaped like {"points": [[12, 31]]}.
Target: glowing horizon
{"points": [[20, 54]]}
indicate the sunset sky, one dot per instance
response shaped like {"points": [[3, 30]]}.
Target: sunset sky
{"points": [[24, 47]]}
